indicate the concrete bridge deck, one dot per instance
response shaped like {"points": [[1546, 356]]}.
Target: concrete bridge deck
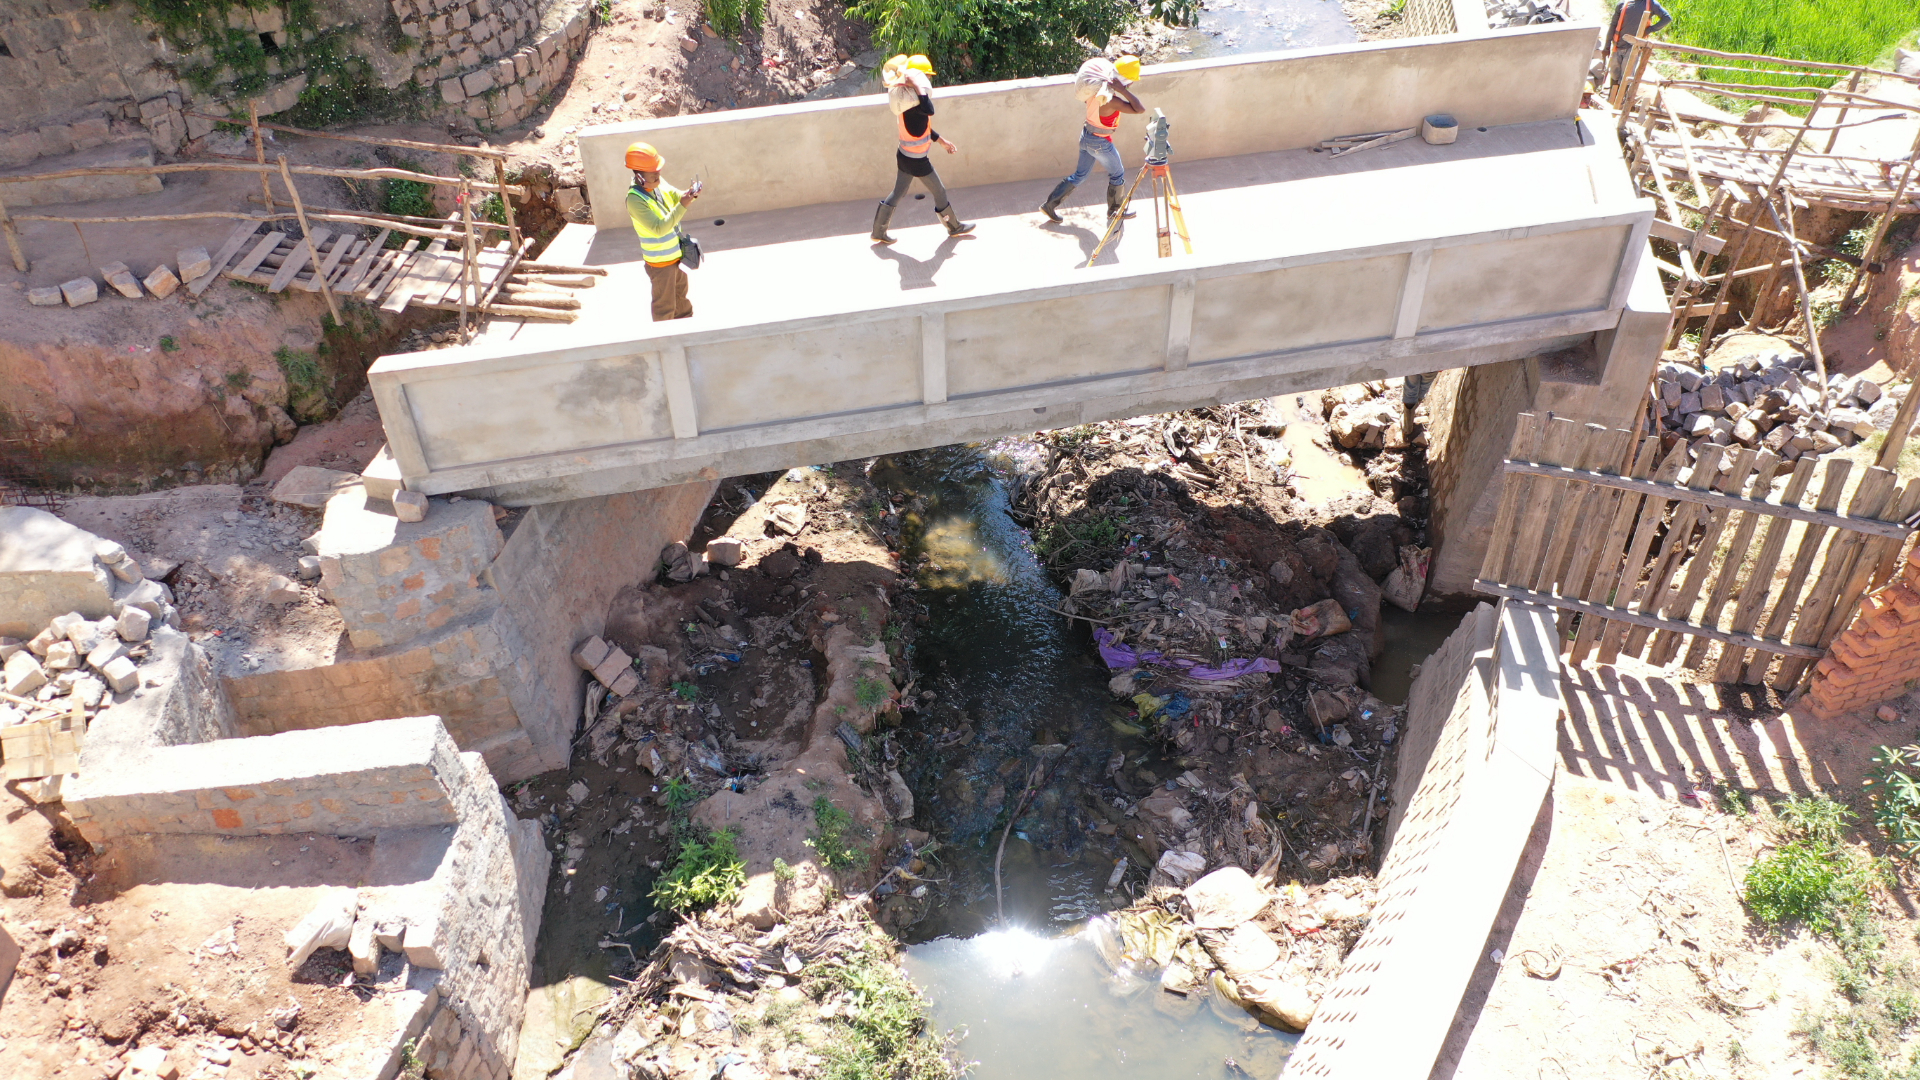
{"points": [[810, 344]]}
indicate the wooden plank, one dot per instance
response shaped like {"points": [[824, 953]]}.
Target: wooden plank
{"points": [[491, 263], [1652, 512], [402, 261], [1605, 578], [252, 260], [303, 250], [327, 264], [1810, 624], [1665, 565], [1647, 622], [1525, 443], [346, 265], [1679, 603], [1685, 238], [429, 278], [1616, 454], [235, 240], [1591, 455], [1558, 445], [1889, 562], [382, 264], [1765, 469], [362, 266], [1753, 595], [1872, 526], [1833, 481], [1872, 551]]}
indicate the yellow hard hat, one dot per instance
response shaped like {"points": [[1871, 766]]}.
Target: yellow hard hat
{"points": [[1129, 68], [642, 157], [920, 63]]}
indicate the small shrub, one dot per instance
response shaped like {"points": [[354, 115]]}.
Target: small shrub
{"points": [[705, 871], [783, 870], [836, 836], [681, 794], [167, 344], [302, 370], [686, 691], [1806, 884], [238, 380], [1820, 820], [731, 16], [1895, 795], [868, 693]]}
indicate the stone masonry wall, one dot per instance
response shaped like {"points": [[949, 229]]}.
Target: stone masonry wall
{"points": [[1878, 657], [394, 580], [1472, 413], [75, 74], [350, 781]]}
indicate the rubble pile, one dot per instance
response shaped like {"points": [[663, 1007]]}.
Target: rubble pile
{"points": [[1771, 400], [1233, 942], [1502, 14], [75, 665]]}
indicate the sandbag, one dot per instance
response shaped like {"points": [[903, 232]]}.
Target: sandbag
{"points": [[1408, 581], [328, 926], [901, 96], [1093, 77]]}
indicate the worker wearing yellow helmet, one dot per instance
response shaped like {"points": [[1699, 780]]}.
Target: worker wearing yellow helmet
{"points": [[910, 95], [656, 209], [1103, 85]]}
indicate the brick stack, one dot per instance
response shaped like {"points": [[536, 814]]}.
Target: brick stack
{"points": [[1878, 657]]}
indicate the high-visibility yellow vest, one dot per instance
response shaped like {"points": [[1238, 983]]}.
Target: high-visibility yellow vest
{"points": [[659, 243]]}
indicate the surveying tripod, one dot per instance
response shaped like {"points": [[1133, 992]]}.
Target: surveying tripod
{"points": [[1167, 217]]}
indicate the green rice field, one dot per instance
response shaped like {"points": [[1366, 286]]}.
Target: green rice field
{"points": [[1828, 31]]}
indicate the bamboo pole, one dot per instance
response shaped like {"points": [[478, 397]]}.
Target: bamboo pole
{"points": [[306, 237], [260, 155], [1761, 92], [264, 170], [466, 257], [1880, 227], [1902, 420], [408, 144], [506, 203], [1668, 46], [13, 239], [1806, 298], [1853, 87], [1637, 58]]}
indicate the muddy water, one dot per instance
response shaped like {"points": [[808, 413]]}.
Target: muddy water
{"points": [[1007, 674], [1237, 26]]}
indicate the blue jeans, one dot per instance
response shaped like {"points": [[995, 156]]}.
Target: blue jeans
{"points": [[1094, 148]]}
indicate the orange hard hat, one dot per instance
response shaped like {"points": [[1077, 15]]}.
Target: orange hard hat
{"points": [[642, 157]]}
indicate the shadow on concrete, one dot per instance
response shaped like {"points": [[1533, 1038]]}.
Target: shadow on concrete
{"points": [[291, 860], [919, 273]]}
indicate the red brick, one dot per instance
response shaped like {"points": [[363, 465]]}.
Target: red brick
{"points": [[224, 818], [1887, 621], [237, 794], [1901, 595]]}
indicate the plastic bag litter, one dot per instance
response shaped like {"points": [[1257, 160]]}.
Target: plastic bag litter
{"points": [[328, 926]]}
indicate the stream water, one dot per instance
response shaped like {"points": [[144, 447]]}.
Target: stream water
{"points": [[1237, 26], [1008, 674]]}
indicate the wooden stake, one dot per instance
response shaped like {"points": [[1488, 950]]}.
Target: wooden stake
{"points": [[260, 154], [506, 202], [466, 256], [83, 242], [13, 240], [306, 237], [1880, 227], [1806, 297], [1902, 420]]}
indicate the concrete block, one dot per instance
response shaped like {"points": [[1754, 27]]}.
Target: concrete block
{"points": [[9, 646], [476, 83], [311, 486], [194, 262], [23, 674], [79, 291], [62, 656], [390, 934], [610, 666], [361, 946], [309, 567], [381, 476], [724, 551], [591, 653], [162, 281], [150, 596], [409, 506], [45, 296], [134, 623], [626, 683], [423, 946], [122, 280], [121, 675], [107, 652]]}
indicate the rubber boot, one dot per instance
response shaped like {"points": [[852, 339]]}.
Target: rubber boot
{"points": [[955, 227], [882, 214], [1116, 204], [1052, 206]]}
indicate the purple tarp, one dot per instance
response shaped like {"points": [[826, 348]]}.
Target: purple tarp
{"points": [[1125, 656]]}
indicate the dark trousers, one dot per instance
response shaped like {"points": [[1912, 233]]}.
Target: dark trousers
{"points": [[931, 182], [669, 292]]}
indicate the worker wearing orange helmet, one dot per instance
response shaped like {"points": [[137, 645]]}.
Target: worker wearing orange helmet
{"points": [[656, 208], [910, 90], [1103, 85]]}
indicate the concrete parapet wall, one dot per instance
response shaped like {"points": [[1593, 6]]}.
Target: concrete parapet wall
{"points": [[394, 581], [1878, 657], [1024, 129], [1483, 717], [351, 781]]}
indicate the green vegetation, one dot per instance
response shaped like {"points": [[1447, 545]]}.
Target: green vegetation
{"points": [[409, 197], [783, 870], [167, 344], [983, 40], [836, 836], [686, 691], [1095, 540], [881, 1029], [1895, 794], [706, 870], [868, 693], [1826, 31], [1812, 880], [731, 16], [680, 794], [302, 370], [238, 380]]}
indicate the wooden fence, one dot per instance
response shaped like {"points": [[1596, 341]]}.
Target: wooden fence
{"points": [[1643, 554]]}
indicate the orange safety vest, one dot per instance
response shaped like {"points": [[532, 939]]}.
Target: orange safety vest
{"points": [[914, 146], [1100, 125]]}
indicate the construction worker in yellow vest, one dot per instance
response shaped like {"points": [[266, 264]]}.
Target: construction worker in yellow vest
{"points": [[909, 85], [656, 208], [1102, 84]]}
